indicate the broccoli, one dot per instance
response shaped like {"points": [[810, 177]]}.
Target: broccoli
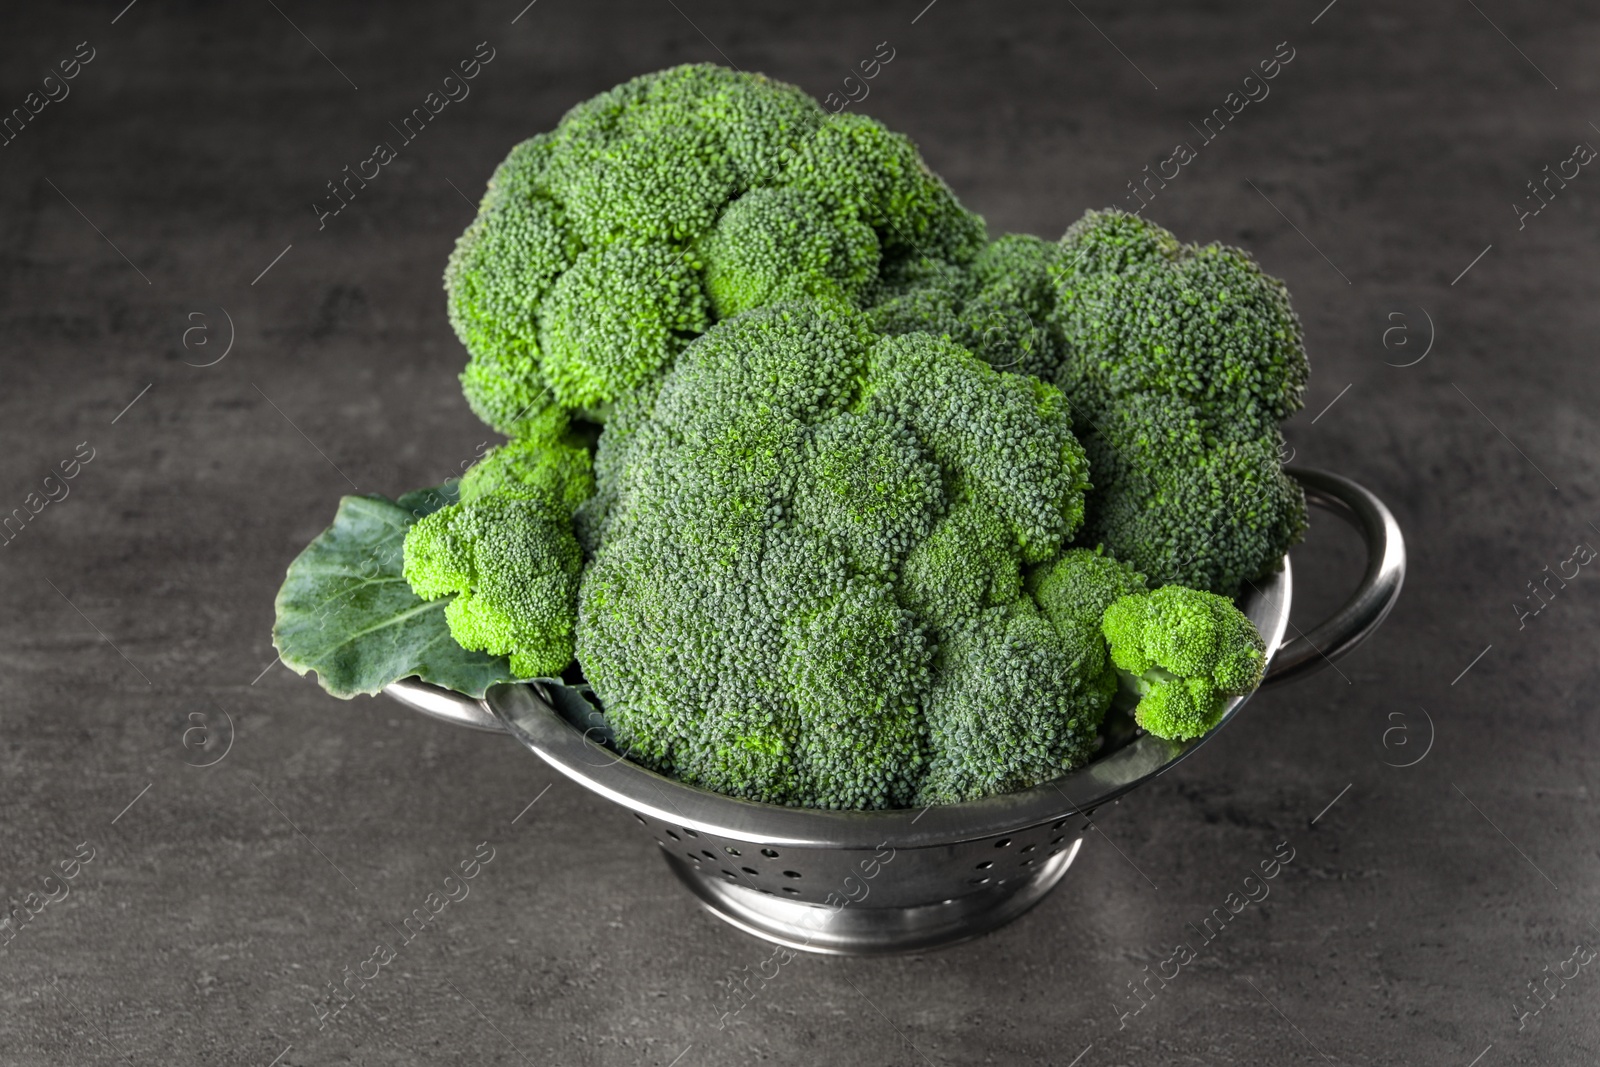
{"points": [[836, 502], [603, 246], [549, 460], [513, 565], [1074, 590], [999, 306], [1180, 360], [1182, 652], [507, 552], [769, 611], [1139, 313], [1186, 500]]}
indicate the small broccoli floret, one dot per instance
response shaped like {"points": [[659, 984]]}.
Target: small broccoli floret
{"points": [[777, 245], [1003, 439], [865, 482], [1010, 708], [856, 165], [513, 566], [615, 318], [1007, 320], [1183, 652], [967, 564], [502, 267], [856, 670]]}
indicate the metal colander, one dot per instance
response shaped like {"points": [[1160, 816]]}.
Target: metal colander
{"points": [[863, 883]]}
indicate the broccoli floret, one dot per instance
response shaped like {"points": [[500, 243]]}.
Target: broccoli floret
{"points": [[1182, 652], [770, 610], [857, 166], [1140, 313], [999, 306], [615, 318], [1011, 707], [513, 566], [1178, 362], [919, 294], [1187, 501], [777, 245], [604, 245], [1074, 590], [554, 465], [857, 667], [966, 564], [1002, 439], [1021, 693]]}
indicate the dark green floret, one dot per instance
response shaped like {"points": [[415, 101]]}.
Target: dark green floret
{"points": [[769, 612]]}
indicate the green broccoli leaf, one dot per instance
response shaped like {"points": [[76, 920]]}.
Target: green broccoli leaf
{"points": [[422, 502], [346, 611]]}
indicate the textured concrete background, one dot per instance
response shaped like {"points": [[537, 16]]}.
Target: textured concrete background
{"points": [[219, 905]]}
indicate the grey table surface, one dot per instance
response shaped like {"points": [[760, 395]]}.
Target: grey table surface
{"points": [[162, 208]]}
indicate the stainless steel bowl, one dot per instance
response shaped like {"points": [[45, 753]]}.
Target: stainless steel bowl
{"points": [[863, 883]]}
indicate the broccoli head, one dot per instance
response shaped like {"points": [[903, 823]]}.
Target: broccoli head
{"points": [[1179, 361], [769, 610], [1140, 313], [603, 246], [1182, 652]]}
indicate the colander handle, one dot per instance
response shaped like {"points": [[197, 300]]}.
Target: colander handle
{"points": [[1379, 589], [443, 704]]}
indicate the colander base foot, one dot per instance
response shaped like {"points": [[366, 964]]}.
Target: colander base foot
{"points": [[862, 930]]}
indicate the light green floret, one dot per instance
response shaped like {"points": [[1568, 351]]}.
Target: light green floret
{"points": [[777, 245], [586, 270], [855, 164], [501, 269], [1183, 652], [618, 316], [551, 464], [513, 566]]}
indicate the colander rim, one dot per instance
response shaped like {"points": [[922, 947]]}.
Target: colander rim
{"points": [[529, 712]]}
